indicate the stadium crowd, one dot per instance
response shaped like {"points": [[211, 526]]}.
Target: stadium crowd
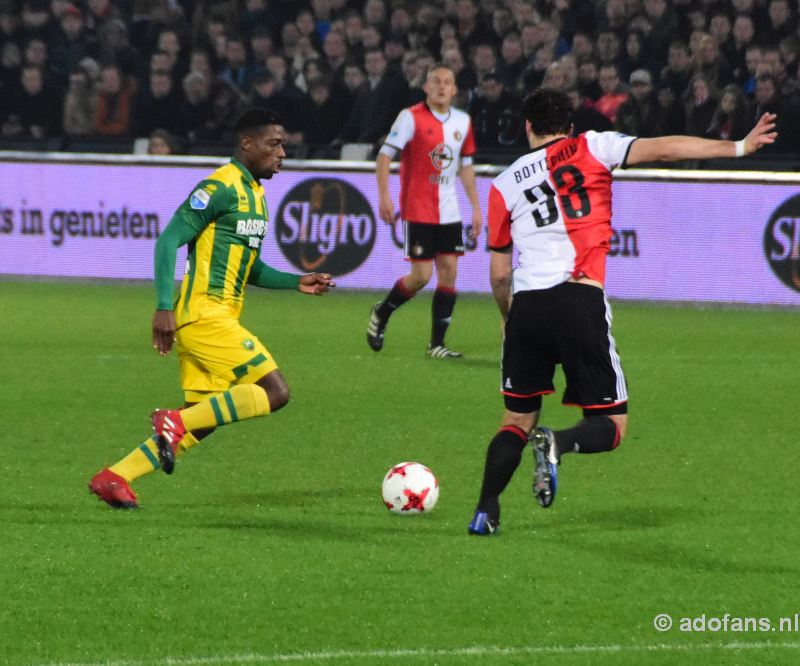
{"points": [[339, 71]]}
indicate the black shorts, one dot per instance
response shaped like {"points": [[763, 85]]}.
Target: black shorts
{"points": [[425, 241], [568, 324]]}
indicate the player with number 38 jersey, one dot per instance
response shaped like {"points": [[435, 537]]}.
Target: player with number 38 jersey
{"points": [[554, 206], [559, 199]]}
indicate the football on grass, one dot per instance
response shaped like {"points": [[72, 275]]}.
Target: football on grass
{"points": [[410, 488]]}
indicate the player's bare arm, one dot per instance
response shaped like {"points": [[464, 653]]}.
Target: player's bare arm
{"points": [[671, 148], [500, 279], [163, 331], [316, 284], [467, 175], [385, 205]]}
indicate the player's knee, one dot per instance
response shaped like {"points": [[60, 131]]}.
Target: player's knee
{"points": [[278, 396]]}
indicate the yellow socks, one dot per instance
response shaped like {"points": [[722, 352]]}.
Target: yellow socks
{"points": [[144, 458], [240, 402]]}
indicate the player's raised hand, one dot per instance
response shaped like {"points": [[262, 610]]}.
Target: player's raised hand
{"points": [[477, 223], [316, 284], [762, 134], [386, 209], [163, 331]]}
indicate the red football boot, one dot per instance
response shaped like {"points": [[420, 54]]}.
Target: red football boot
{"points": [[113, 490], [169, 429]]}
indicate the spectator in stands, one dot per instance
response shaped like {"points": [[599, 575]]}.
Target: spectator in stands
{"points": [[638, 114], [378, 105], [371, 38], [157, 106], [768, 99], [607, 48], [466, 79], [394, 48], [307, 27], [484, 60], [114, 101], [731, 120], [635, 54], [226, 105], [587, 81], [781, 22], [400, 22], [752, 59], [670, 112], [10, 23], [335, 50], [355, 81], [271, 93], [375, 14], [37, 20], [325, 115], [200, 61], [471, 28], [613, 93], [742, 35], [161, 142], [511, 63], [70, 45], [496, 114], [772, 63], [710, 64], [678, 72], [113, 45], [585, 117], [531, 40], [552, 39], [38, 109], [79, 104], [195, 117], [555, 78], [701, 105], [664, 27], [353, 26], [615, 16], [235, 69], [261, 46], [502, 22], [169, 42]]}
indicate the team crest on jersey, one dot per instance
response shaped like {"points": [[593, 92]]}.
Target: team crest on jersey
{"points": [[199, 199], [248, 344], [441, 156], [457, 135]]}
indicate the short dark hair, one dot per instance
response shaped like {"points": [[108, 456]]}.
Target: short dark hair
{"points": [[548, 111], [253, 119]]}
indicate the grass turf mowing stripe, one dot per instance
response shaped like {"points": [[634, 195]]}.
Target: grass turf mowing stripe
{"points": [[474, 651]]}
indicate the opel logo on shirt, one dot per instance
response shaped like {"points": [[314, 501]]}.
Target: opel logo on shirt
{"points": [[441, 156]]}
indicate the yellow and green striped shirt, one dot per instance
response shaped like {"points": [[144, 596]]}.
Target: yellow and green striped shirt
{"points": [[224, 221]]}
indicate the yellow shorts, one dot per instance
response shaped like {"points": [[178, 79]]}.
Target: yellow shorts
{"points": [[216, 353]]}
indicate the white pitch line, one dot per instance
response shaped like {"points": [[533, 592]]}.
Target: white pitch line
{"points": [[476, 651]]}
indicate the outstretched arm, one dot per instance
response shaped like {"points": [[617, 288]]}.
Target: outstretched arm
{"points": [[672, 148]]}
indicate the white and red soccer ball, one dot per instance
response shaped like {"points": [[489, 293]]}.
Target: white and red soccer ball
{"points": [[410, 488]]}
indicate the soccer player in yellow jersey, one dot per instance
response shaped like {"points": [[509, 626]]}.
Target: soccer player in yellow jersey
{"points": [[227, 374]]}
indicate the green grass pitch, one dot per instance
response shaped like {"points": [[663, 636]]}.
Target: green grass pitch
{"points": [[270, 544]]}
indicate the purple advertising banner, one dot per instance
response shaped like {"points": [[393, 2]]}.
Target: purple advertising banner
{"points": [[682, 241]]}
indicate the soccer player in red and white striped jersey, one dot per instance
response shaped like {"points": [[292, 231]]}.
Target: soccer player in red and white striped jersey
{"points": [[554, 205], [436, 144]]}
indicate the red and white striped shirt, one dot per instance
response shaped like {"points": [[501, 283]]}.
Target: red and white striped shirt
{"points": [[432, 151], [554, 205]]}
